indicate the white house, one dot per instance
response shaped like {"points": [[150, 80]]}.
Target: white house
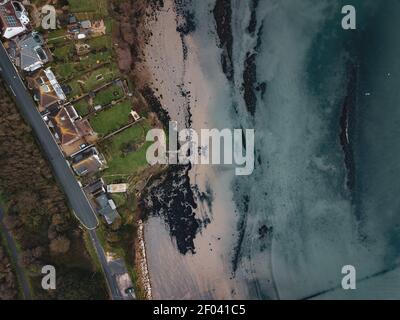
{"points": [[13, 18]]}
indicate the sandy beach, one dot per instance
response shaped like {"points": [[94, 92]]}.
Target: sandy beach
{"points": [[250, 64], [186, 91]]}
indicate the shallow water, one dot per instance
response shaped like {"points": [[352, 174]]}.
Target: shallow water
{"points": [[313, 204]]}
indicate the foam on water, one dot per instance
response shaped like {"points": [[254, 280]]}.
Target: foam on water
{"points": [[288, 229]]}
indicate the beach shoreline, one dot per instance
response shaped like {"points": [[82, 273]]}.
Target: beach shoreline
{"points": [[191, 241]]}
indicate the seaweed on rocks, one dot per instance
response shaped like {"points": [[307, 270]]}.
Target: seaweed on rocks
{"points": [[171, 197], [249, 81], [186, 18], [223, 17], [347, 108], [251, 28], [155, 105]]}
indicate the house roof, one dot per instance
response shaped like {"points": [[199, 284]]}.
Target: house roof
{"points": [[86, 24], [95, 187], [69, 130], [13, 19], [8, 16], [88, 165], [84, 127], [72, 19], [117, 188], [32, 54], [46, 88], [64, 126], [107, 208]]}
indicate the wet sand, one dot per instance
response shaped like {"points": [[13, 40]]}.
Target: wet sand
{"points": [[184, 90]]}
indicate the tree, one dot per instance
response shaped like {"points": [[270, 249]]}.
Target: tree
{"points": [[60, 244]]}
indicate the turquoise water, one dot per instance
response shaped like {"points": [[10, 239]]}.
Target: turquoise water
{"points": [[326, 114], [324, 213]]}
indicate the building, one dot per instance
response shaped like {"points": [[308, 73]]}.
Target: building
{"points": [[72, 20], [86, 24], [28, 52], [88, 162], [98, 27], [135, 115], [14, 19], [82, 49], [107, 208], [117, 188], [80, 36], [70, 130], [94, 189], [47, 91]]}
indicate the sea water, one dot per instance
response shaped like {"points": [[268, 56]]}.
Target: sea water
{"points": [[324, 103]]}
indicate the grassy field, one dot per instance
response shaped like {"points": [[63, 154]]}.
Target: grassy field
{"points": [[119, 199], [63, 53], [122, 159], [99, 43], [106, 96], [99, 7], [82, 107], [69, 70], [94, 79], [100, 76], [96, 58], [111, 119], [57, 37]]}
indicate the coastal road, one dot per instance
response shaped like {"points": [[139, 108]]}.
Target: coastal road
{"points": [[77, 199], [14, 257], [111, 281]]}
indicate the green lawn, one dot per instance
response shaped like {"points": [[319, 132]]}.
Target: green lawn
{"points": [[123, 162], [82, 107], [100, 77], [76, 89], [94, 79], [65, 70], [119, 199], [96, 58], [58, 36], [109, 23], [102, 42], [106, 96], [111, 119], [97, 6], [69, 69], [63, 53]]}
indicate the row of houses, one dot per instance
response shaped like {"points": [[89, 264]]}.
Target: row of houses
{"points": [[25, 47], [75, 136]]}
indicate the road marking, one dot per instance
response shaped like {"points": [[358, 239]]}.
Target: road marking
{"points": [[12, 90]]}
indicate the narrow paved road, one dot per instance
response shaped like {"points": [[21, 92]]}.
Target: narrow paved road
{"points": [[76, 197], [112, 283], [23, 281]]}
